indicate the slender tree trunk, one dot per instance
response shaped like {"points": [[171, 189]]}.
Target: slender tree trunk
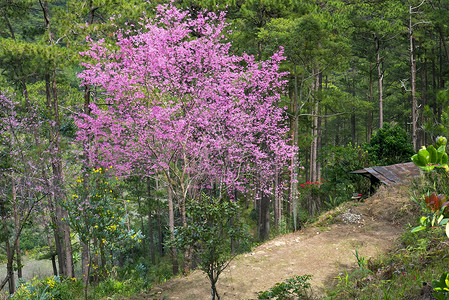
{"points": [[96, 261], [150, 224], [319, 135], [171, 227], [85, 257], [213, 283], [16, 223], [314, 145], [103, 273], [353, 119], [264, 222], [369, 114], [62, 228], [296, 109], [52, 253], [380, 78], [56, 214], [10, 265], [85, 262], [443, 41], [159, 222], [337, 131], [277, 204], [413, 83], [422, 140], [9, 250]]}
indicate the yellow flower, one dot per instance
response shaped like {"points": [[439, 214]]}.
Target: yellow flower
{"points": [[51, 282]]}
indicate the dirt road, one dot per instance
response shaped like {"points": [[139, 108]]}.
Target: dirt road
{"points": [[322, 250]]}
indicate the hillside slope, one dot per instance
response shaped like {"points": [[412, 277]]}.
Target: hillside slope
{"points": [[323, 250]]}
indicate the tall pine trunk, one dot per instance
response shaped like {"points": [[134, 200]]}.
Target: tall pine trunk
{"points": [[413, 82], [380, 78]]}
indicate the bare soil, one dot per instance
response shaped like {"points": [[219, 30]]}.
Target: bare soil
{"points": [[323, 250]]}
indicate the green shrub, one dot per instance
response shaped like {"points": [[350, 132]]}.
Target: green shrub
{"points": [[297, 286], [49, 288], [389, 145]]}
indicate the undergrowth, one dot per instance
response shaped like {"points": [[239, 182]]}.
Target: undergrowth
{"points": [[406, 273]]}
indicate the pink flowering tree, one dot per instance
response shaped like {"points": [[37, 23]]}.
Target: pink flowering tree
{"points": [[22, 187], [176, 103]]}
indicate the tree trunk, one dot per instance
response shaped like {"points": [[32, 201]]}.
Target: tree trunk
{"points": [[96, 264], [277, 199], [151, 233], [171, 227], [213, 284], [10, 265], [369, 114], [314, 146], [296, 107], [150, 224], [85, 262], [380, 78], [413, 83], [62, 229], [9, 250], [264, 222], [52, 253], [423, 137], [85, 257], [16, 223]]}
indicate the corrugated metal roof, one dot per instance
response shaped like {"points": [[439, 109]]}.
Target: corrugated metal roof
{"points": [[393, 173]]}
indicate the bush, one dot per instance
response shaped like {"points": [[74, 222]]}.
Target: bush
{"points": [[297, 286], [389, 145], [49, 288]]}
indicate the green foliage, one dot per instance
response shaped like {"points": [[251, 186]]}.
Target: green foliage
{"points": [[389, 145], [438, 124], [209, 229], [310, 194], [432, 157], [434, 161], [113, 287], [49, 288], [297, 286], [398, 274], [339, 183], [212, 224], [95, 210], [361, 260], [441, 287], [56, 288]]}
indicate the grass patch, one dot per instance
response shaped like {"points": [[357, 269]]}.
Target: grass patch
{"points": [[405, 273]]}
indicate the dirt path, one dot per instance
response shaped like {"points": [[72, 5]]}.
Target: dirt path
{"points": [[323, 250]]}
